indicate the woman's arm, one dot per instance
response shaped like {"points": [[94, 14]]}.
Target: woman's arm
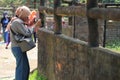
{"points": [[22, 29]]}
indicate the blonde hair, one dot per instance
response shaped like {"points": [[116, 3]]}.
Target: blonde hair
{"points": [[17, 12], [23, 12]]}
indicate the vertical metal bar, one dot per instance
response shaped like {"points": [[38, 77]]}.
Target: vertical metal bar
{"points": [[70, 18], [104, 34], [57, 19], [74, 27], [93, 37], [34, 4], [42, 16], [74, 32]]}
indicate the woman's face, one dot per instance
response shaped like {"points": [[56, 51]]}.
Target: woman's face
{"points": [[6, 16], [26, 19]]}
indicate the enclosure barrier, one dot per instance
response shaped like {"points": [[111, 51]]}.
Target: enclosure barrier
{"points": [[92, 12], [64, 58]]}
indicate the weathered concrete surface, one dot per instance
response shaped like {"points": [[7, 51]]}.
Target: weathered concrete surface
{"points": [[63, 58]]}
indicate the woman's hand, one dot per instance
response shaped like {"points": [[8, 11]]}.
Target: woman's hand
{"points": [[37, 25]]}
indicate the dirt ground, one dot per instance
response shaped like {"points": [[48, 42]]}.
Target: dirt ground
{"points": [[7, 62]]}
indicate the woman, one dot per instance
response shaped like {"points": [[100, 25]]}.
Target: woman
{"points": [[4, 21], [18, 26]]}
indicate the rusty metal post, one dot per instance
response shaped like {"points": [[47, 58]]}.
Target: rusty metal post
{"points": [[70, 18], [104, 34], [93, 38], [34, 4], [57, 19], [42, 15]]}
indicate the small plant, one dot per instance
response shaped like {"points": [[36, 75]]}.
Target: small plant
{"points": [[113, 45], [36, 76]]}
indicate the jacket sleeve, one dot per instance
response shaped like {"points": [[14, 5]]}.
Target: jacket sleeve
{"points": [[20, 28]]}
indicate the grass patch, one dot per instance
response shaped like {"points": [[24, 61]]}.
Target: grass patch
{"points": [[36, 76], [113, 45]]}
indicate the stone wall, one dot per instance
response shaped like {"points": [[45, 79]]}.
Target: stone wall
{"points": [[63, 58]]}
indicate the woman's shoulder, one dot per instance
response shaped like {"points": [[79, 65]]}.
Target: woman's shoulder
{"points": [[18, 20]]}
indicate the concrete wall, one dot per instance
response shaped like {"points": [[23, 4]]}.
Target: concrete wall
{"points": [[63, 58]]}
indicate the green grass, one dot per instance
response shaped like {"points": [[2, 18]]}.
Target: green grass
{"points": [[113, 45], [36, 76]]}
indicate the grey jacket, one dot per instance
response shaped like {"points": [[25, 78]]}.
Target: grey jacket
{"points": [[18, 27]]}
